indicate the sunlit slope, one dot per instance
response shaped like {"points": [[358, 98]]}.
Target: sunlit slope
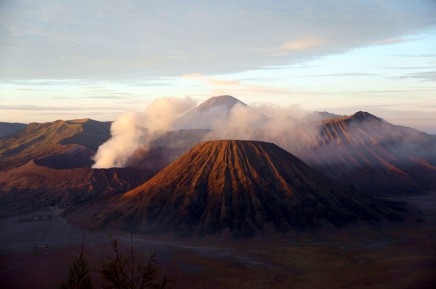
{"points": [[239, 188]]}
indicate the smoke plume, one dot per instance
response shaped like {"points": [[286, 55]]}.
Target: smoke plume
{"points": [[137, 129], [362, 140]]}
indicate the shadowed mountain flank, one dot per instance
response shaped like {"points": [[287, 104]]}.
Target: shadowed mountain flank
{"points": [[7, 128], [34, 186], [38, 140], [239, 188]]}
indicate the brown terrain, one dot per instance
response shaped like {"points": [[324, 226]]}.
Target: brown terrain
{"points": [[34, 187], [362, 215], [38, 140], [49, 165], [395, 256], [239, 188]]}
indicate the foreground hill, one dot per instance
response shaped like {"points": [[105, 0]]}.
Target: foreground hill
{"points": [[238, 188], [38, 140], [34, 186]]}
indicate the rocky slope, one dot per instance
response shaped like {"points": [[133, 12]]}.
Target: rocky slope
{"points": [[238, 188]]}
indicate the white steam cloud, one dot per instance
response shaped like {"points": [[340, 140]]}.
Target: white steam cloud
{"points": [[136, 129], [135, 133]]}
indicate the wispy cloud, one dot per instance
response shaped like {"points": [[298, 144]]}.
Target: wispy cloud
{"points": [[390, 91], [36, 107], [59, 108], [301, 44], [426, 76], [225, 86], [350, 74], [62, 97], [388, 41], [210, 80], [411, 67], [33, 89], [415, 55], [108, 96]]}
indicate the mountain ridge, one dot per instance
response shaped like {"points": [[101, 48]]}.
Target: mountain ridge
{"points": [[34, 186], [37, 140]]}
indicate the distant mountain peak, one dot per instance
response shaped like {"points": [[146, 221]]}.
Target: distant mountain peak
{"points": [[79, 121], [223, 100], [363, 115], [358, 116], [211, 114]]}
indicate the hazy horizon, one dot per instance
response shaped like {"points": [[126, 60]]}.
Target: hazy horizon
{"points": [[69, 59]]}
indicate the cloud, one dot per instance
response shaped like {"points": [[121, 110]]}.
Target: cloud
{"points": [[350, 74], [135, 129], [110, 96], [124, 39], [223, 86], [62, 97], [33, 89], [411, 67], [396, 91], [210, 80], [35, 107], [388, 41], [301, 44], [25, 107], [426, 76], [416, 55]]}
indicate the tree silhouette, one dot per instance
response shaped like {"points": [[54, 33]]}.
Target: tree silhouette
{"points": [[124, 272], [78, 276]]}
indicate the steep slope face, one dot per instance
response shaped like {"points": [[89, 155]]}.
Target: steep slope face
{"points": [[7, 128], [33, 186], [238, 188], [37, 140]]}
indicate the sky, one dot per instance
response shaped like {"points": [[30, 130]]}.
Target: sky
{"points": [[64, 59]]}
